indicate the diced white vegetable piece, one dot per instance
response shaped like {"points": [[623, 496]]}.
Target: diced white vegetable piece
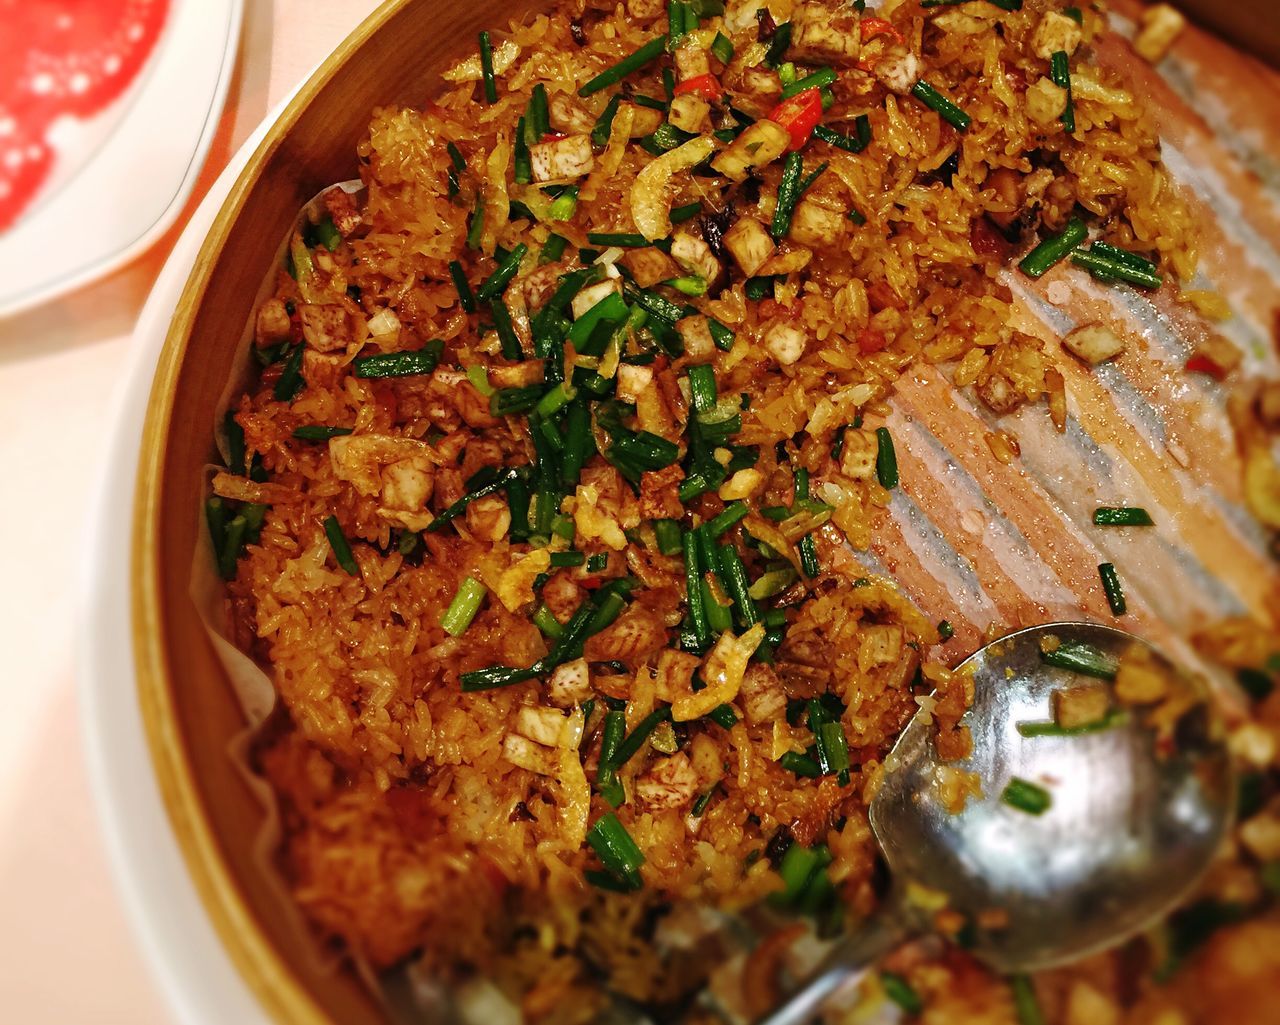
{"points": [[785, 342], [570, 157], [758, 145], [749, 243], [899, 71], [1056, 32], [632, 381], [690, 113], [593, 294], [541, 725], [1094, 344], [694, 256], [1161, 25]]}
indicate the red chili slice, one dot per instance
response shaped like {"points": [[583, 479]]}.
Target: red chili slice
{"points": [[707, 86], [870, 340], [1202, 364], [799, 115]]}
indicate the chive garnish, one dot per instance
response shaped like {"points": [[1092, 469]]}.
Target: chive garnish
{"points": [[552, 249], [801, 765], [564, 205], [700, 805], [290, 381], [693, 590], [723, 716], [667, 535], [1111, 585], [521, 160], [808, 548], [621, 239], [1048, 728], [636, 738], [722, 48], [816, 80], [680, 214], [462, 610], [1060, 75], [544, 619], [617, 850], [733, 513], [340, 546], [1254, 682], [400, 364], [1025, 1002], [945, 109], [1026, 796], [651, 51], [1053, 249], [570, 558], [496, 283], [507, 337], [886, 459], [319, 432], [897, 989], [778, 45], [465, 295], [1081, 658], [1122, 516], [1109, 268], [615, 728], [734, 574], [486, 67], [855, 142], [604, 123], [497, 483]]}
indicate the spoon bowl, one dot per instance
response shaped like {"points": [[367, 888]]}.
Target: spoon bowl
{"points": [[1139, 803]]}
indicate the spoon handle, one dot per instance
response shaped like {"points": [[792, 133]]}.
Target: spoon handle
{"points": [[851, 957]]}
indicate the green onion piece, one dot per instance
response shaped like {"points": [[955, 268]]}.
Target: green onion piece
{"points": [[232, 542], [455, 157], [578, 441], [462, 610], [598, 562], [552, 249], [680, 214], [651, 51], [465, 296], [621, 239], [667, 535], [1049, 728], [1053, 249], [617, 850], [690, 285], [816, 80], [522, 162], [498, 483], [722, 48], [544, 619], [539, 118], [319, 432], [235, 443], [556, 399], [486, 66], [947, 110], [570, 558], [734, 575], [945, 630], [664, 739], [1075, 14], [327, 233], [1122, 256], [833, 748], [778, 45], [1026, 796], [733, 514], [723, 716], [606, 315], [1060, 75], [1081, 658], [897, 989], [700, 805], [1109, 269], [615, 728], [859, 140], [479, 378], [1025, 1002], [786, 75], [495, 676], [886, 459], [1122, 516], [788, 195], [801, 765], [1111, 585], [514, 401], [604, 123], [215, 513], [772, 583], [400, 364], [476, 228], [702, 387], [1254, 682], [290, 381], [693, 589], [636, 738], [721, 335], [496, 283], [564, 205], [719, 617], [506, 330], [341, 549]]}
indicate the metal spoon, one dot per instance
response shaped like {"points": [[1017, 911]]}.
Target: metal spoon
{"points": [[1128, 834]]}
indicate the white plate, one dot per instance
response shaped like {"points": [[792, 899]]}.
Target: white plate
{"points": [[114, 205], [194, 972]]}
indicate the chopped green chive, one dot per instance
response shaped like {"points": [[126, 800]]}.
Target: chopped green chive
{"points": [[290, 381], [635, 740], [400, 364], [604, 124], [1075, 14], [327, 234], [571, 558], [1108, 268], [855, 142], [723, 716], [496, 283], [1048, 728], [722, 48], [486, 67], [522, 161], [1122, 516], [552, 249], [680, 214], [801, 765], [733, 513], [507, 337], [615, 728], [598, 562], [494, 485], [544, 619], [779, 45], [651, 51], [1111, 585], [693, 590], [319, 432], [564, 205], [1081, 658], [886, 459], [1025, 1002], [1026, 796], [722, 336], [1053, 249], [816, 80], [945, 109], [621, 239], [1255, 683], [1060, 75], [341, 548], [897, 989], [462, 610], [700, 805], [667, 535], [476, 228], [616, 850], [465, 296]]}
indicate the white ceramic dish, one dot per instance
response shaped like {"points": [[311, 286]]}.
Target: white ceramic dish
{"points": [[119, 201], [188, 960]]}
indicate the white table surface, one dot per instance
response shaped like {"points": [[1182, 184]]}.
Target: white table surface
{"points": [[66, 952]]}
